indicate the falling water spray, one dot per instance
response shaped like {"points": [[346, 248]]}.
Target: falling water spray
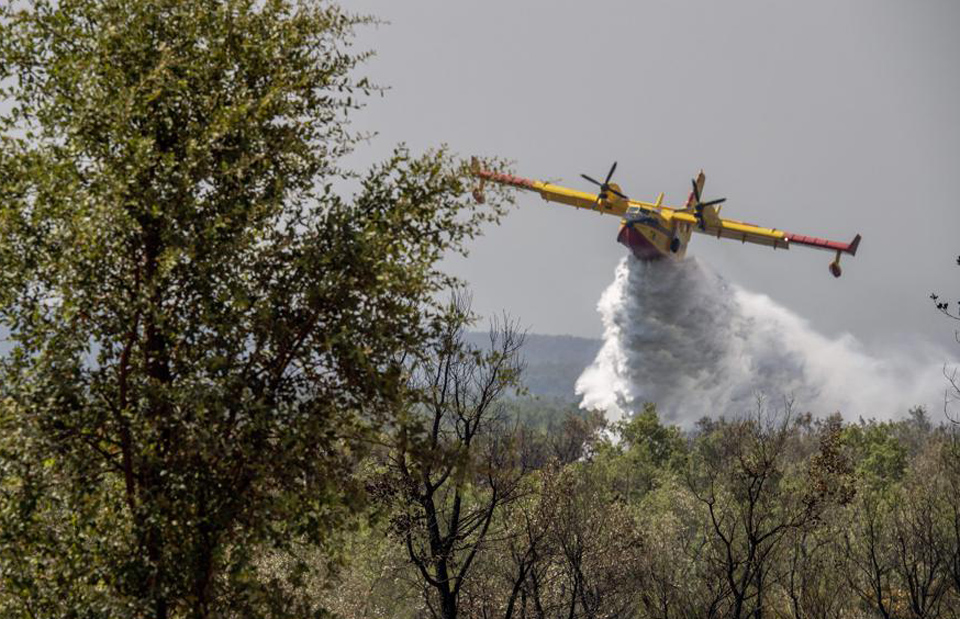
{"points": [[680, 336]]}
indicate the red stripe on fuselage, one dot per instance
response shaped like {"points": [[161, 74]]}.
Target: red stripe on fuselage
{"points": [[641, 247]]}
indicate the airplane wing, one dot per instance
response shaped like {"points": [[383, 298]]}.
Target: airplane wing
{"points": [[714, 225], [709, 221], [705, 217], [816, 243], [556, 193]]}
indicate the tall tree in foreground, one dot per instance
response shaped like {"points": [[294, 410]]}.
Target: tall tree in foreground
{"points": [[203, 330]]}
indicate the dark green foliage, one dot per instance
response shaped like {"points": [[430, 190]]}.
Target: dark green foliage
{"points": [[204, 331], [646, 439], [881, 458]]}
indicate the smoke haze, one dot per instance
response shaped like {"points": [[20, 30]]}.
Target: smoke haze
{"points": [[680, 336]]}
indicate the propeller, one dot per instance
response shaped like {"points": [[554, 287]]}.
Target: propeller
{"points": [[699, 206], [605, 185]]}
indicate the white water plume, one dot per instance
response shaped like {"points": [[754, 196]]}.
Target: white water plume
{"points": [[680, 336]]}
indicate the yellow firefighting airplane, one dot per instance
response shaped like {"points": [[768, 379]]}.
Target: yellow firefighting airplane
{"points": [[653, 230]]}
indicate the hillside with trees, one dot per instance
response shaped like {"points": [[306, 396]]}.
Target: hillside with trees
{"points": [[237, 383], [551, 363]]}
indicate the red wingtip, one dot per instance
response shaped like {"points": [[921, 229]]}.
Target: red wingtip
{"points": [[812, 241], [505, 179]]}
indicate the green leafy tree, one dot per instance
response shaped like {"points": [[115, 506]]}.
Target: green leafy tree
{"points": [[204, 330], [646, 452], [881, 458]]}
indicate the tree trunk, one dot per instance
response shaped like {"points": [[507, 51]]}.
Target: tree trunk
{"points": [[448, 604]]}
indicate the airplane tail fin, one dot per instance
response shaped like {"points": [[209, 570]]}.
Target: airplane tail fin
{"points": [[693, 198]]}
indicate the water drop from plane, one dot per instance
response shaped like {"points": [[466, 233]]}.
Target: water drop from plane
{"points": [[679, 335]]}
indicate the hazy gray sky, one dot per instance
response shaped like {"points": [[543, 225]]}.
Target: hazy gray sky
{"points": [[819, 117]]}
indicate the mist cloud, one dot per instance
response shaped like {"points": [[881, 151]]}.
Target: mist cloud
{"points": [[679, 335]]}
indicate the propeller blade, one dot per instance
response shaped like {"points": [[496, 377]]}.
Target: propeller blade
{"points": [[696, 190], [712, 202], [610, 173], [605, 185]]}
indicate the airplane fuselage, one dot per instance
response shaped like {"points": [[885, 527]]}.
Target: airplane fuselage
{"points": [[650, 237], [654, 231]]}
